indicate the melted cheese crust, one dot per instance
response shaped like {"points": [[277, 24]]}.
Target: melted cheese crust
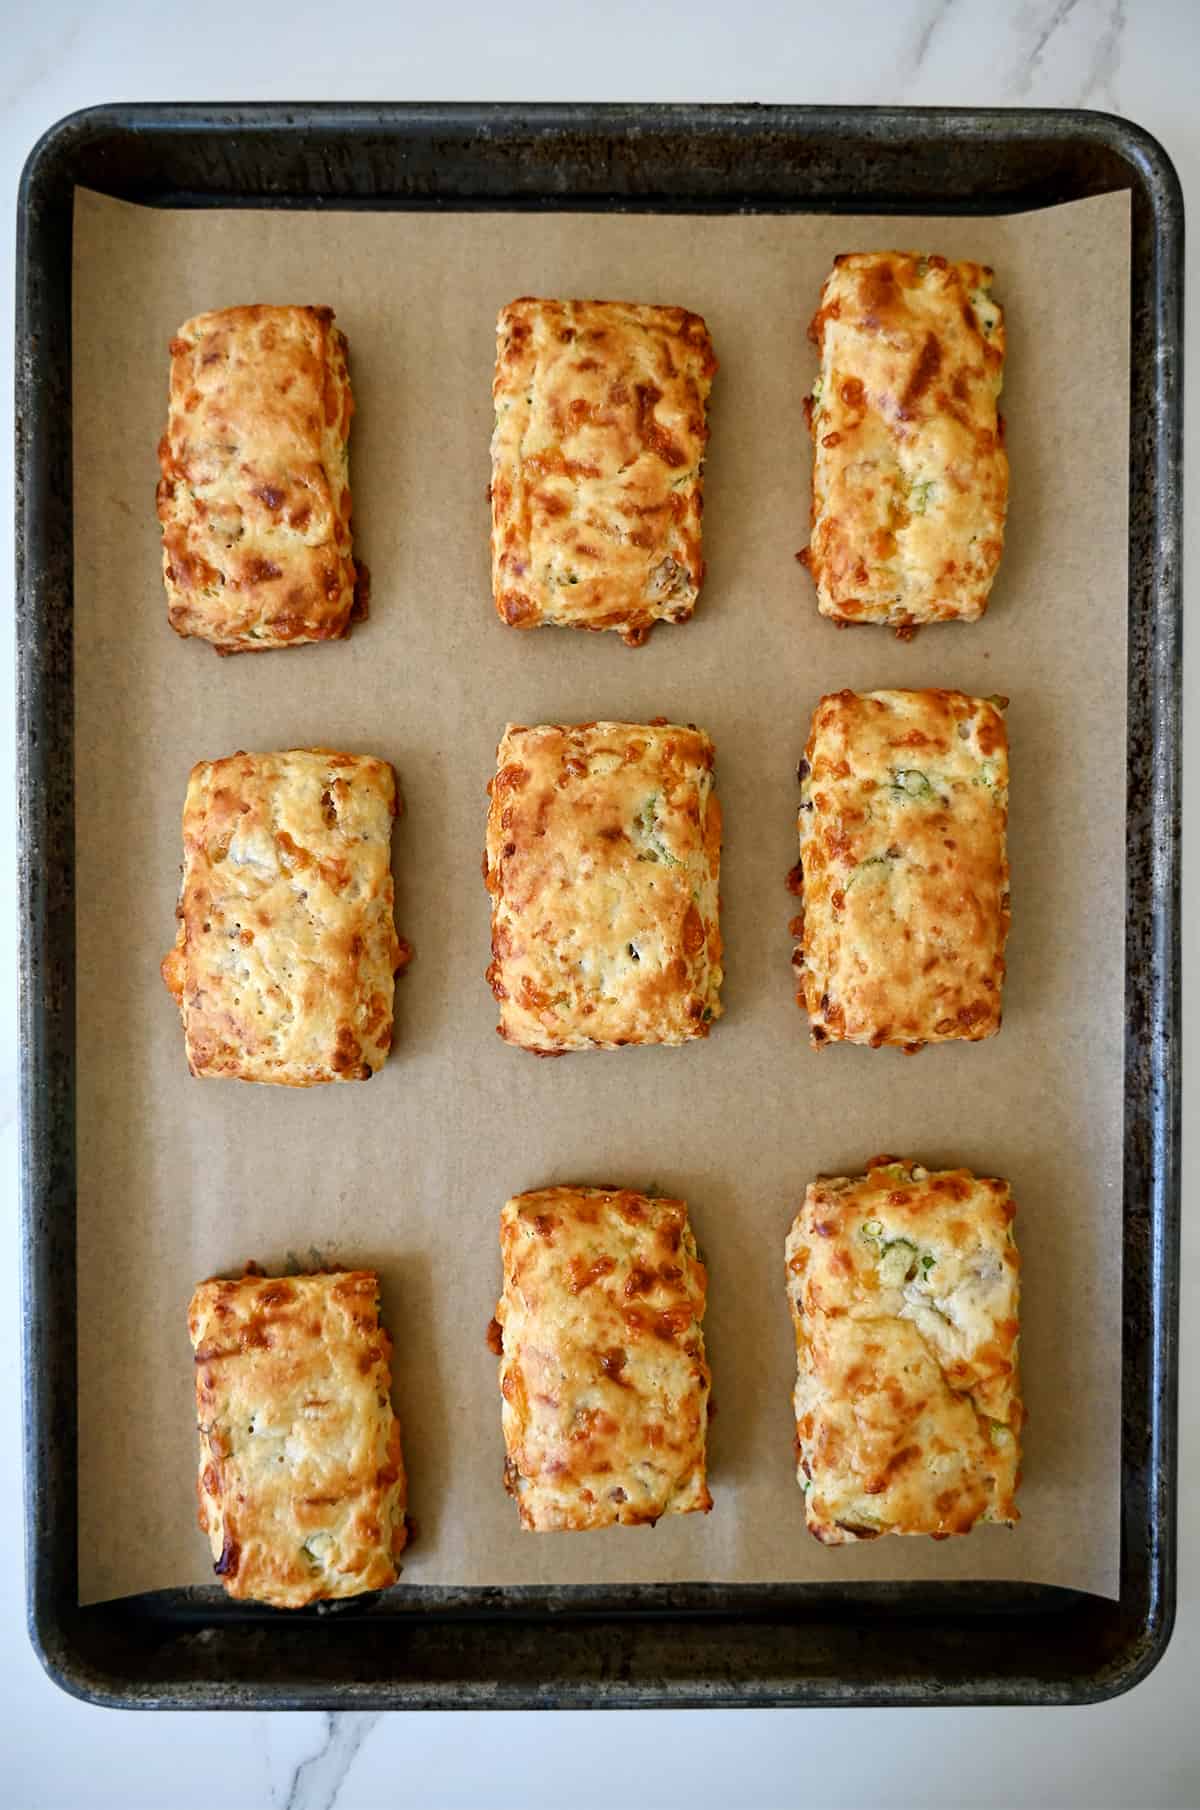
{"points": [[597, 463], [603, 861], [903, 1286], [254, 498], [603, 1380], [285, 953], [302, 1488], [903, 867], [910, 476]]}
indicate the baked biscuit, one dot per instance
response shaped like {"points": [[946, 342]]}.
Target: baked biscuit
{"points": [[603, 1382], [254, 497], [903, 871], [603, 862], [903, 1286], [285, 952], [597, 463], [302, 1488], [910, 476]]}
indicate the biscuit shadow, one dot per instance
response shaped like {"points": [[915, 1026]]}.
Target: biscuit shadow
{"points": [[736, 1399], [419, 849], [409, 1313]]}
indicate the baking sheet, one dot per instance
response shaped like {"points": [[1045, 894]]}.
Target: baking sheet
{"points": [[180, 1178]]}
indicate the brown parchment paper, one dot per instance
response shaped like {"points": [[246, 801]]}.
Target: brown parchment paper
{"points": [[181, 1178]]}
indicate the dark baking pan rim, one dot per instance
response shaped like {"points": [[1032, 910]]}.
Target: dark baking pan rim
{"points": [[681, 1645]]}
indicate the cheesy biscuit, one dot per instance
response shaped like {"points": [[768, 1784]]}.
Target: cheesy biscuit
{"points": [[285, 953], [603, 1380], [910, 476], [903, 1287], [254, 497], [903, 868], [603, 862], [597, 463], [302, 1488]]}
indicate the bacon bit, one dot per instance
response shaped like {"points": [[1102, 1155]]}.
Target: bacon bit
{"points": [[613, 1362], [795, 883], [231, 1552], [495, 1337], [545, 1225]]}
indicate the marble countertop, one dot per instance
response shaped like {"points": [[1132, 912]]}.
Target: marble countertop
{"points": [[1144, 1749]]}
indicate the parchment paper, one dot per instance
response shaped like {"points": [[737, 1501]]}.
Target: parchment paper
{"points": [[179, 1178]]}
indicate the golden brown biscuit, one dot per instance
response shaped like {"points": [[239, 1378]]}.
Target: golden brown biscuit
{"points": [[910, 476], [285, 952], [903, 868], [302, 1488], [903, 1286], [603, 1381], [603, 862], [254, 497], [597, 464]]}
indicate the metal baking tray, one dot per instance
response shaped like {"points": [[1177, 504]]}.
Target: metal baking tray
{"points": [[679, 1645]]}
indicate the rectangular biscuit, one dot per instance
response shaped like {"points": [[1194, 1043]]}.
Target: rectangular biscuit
{"points": [[254, 497], [603, 862], [603, 1380], [285, 953], [597, 464], [903, 868], [910, 476], [903, 1287], [302, 1489]]}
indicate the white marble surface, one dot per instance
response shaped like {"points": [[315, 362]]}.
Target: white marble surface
{"points": [[1139, 59]]}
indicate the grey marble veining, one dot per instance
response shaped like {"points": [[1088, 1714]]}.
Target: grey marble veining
{"points": [[316, 1782]]}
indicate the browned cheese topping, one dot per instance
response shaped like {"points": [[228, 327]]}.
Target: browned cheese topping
{"points": [[603, 1378], [903, 871], [597, 462], [254, 498], [301, 1486], [903, 1286], [910, 476], [285, 954], [603, 862]]}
